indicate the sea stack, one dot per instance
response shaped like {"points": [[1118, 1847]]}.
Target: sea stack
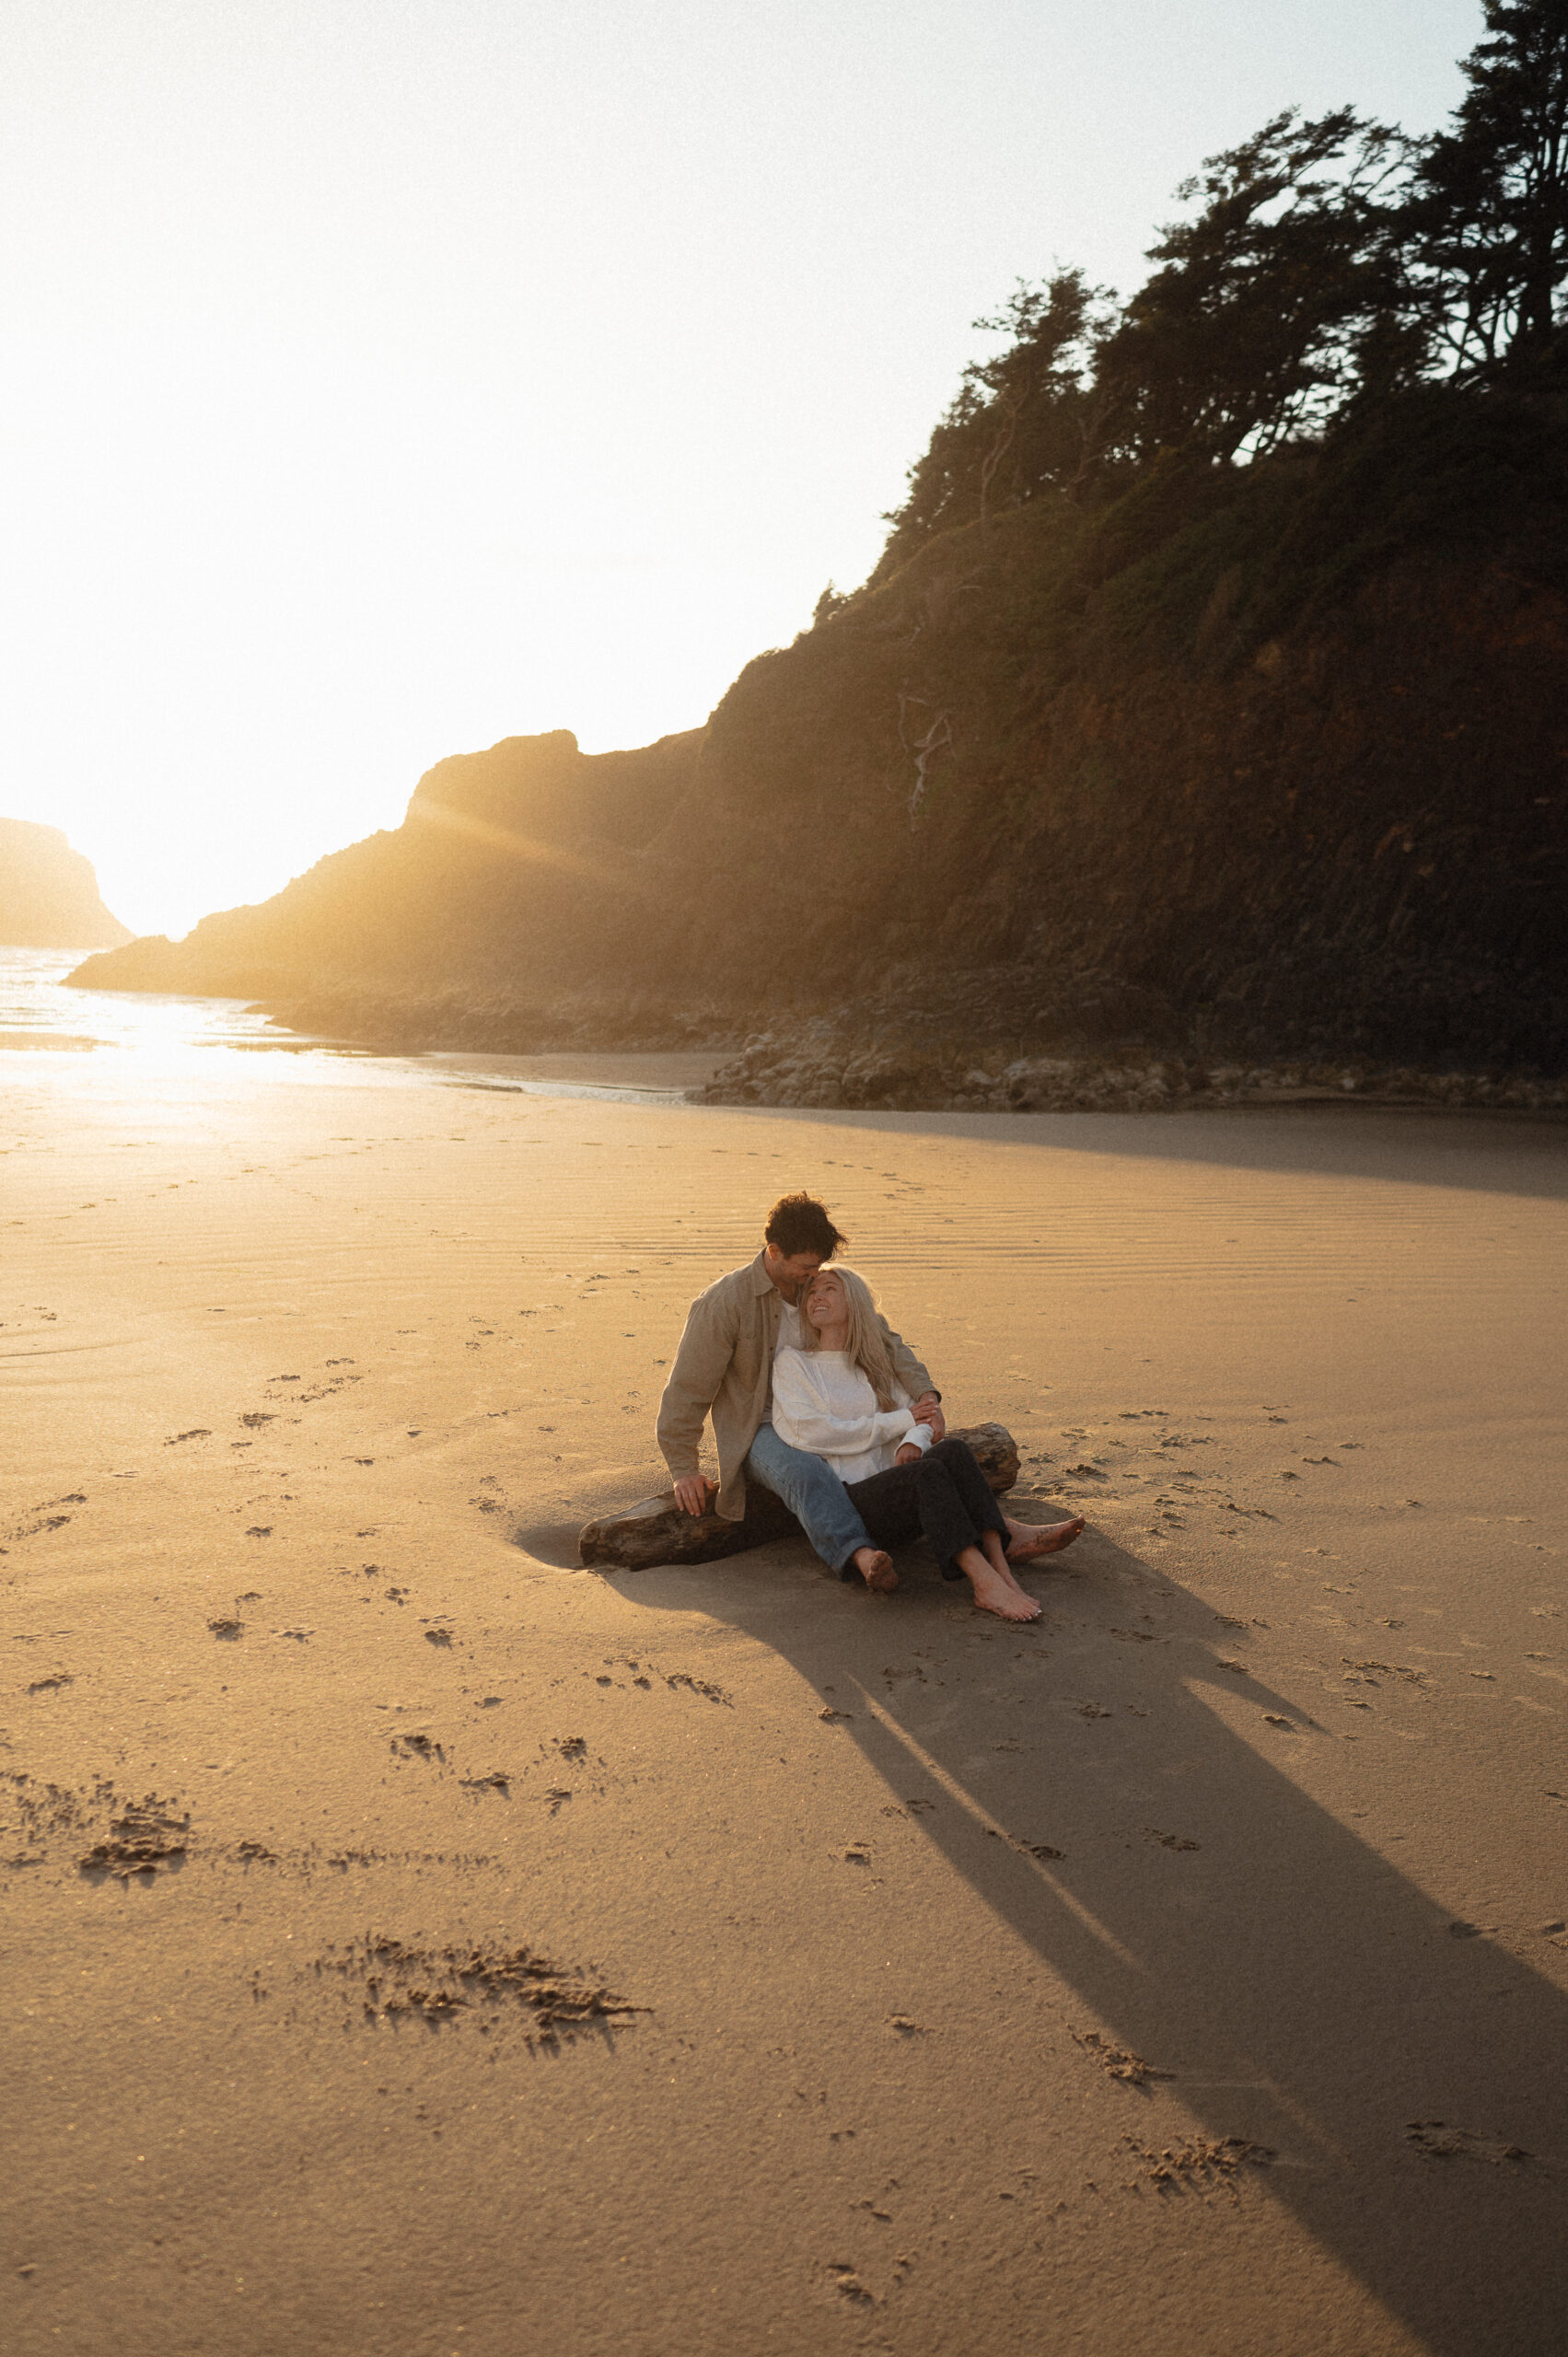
{"points": [[49, 897]]}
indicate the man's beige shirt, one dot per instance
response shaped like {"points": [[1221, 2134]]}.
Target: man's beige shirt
{"points": [[725, 1367]]}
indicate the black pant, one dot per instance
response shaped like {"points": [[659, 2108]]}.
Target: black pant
{"points": [[944, 1499]]}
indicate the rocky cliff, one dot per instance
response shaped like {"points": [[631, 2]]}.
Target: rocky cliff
{"points": [[501, 896], [1247, 763], [49, 896]]}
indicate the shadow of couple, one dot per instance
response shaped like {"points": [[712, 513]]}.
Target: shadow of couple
{"points": [[1120, 1789]]}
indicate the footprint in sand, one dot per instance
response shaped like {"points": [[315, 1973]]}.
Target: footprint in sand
{"points": [[1440, 2141], [680, 1678], [417, 1747], [480, 1984], [44, 1520], [145, 1836], [1117, 2062], [1202, 2161]]}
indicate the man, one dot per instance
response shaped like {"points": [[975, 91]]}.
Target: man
{"points": [[725, 1367]]}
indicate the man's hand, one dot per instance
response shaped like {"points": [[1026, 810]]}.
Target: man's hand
{"points": [[692, 1491], [910, 1454], [927, 1409]]}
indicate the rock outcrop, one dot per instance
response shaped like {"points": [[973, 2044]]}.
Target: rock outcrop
{"points": [[1252, 768], [49, 897], [490, 917], [826, 1063], [656, 1531]]}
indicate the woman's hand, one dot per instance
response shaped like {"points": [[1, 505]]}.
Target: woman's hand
{"points": [[911, 1454], [927, 1409], [691, 1492]]}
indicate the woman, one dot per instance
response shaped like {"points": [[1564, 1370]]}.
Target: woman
{"points": [[837, 1397]]}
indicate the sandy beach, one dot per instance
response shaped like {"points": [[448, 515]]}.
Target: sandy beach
{"points": [[417, 1945]]}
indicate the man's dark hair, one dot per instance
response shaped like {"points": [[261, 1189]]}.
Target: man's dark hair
{"points": [[799, 1223]]}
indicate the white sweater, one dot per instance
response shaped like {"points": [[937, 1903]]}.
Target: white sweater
{"points": [[822, 1403]]}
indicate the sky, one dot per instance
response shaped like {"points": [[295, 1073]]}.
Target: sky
{"points": [[379, 378]]}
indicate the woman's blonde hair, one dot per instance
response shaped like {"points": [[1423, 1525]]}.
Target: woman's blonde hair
{"points": [[865, 1343]]}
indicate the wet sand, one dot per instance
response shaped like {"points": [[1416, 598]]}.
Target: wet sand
{"points": [[415, 1945]]}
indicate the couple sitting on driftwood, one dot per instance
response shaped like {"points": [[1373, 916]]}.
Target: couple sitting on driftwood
{"points": [[813, 1396]]}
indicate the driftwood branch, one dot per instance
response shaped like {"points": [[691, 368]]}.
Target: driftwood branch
{"points": [[938, 738], [656, 1531]]}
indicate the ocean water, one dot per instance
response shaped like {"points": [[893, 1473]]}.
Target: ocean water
{"points": [[114, 1045]]}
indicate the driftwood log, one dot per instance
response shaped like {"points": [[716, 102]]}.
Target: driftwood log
{"points": [[656, 1531]]}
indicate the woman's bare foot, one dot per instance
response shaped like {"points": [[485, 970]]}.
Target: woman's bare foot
{"points": [[995, 1589], [994, 1592], [1028, 1539], [991, 1545], [875, 1569]]}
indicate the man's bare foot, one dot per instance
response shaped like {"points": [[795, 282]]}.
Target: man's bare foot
{"points": [[1028, 1539], [875, 1569], [995, 1592]]}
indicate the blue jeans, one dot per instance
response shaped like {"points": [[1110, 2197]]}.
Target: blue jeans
{"points": [[812, 1492]]}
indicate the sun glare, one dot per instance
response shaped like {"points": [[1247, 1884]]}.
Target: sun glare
{"points": [[380, 387]]}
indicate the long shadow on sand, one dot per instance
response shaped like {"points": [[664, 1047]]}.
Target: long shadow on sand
{"points": [[1477, 1153], [1223, 1927]]}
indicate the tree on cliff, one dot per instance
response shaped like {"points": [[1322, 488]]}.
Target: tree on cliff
{"points": [[1252, 329], [1330, 262], [1488, 217], [1023, 422]]}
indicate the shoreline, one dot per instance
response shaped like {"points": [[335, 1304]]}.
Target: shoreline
{"points": [[826, 1061], [818, 1062]]}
